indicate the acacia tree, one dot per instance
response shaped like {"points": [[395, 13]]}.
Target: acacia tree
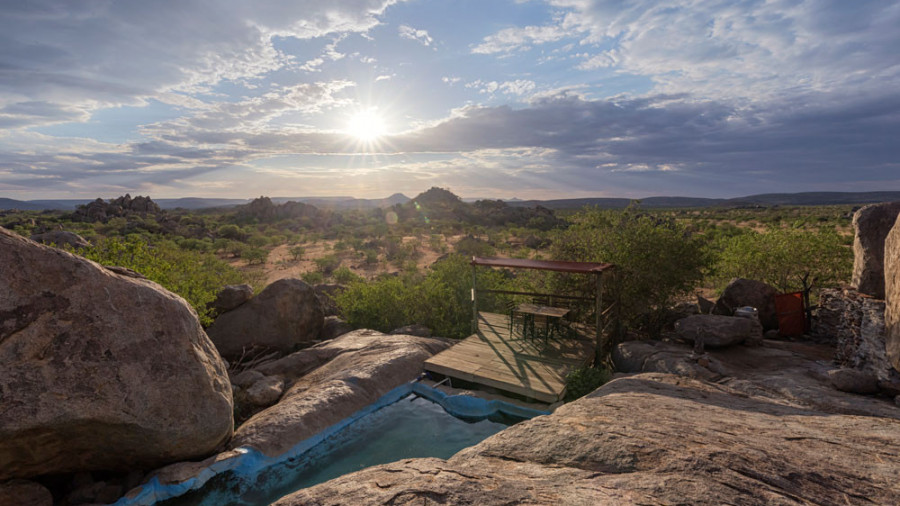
{"points": [[656, 260]]}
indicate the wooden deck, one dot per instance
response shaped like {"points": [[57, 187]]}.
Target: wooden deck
{"points": [[494, 358]]}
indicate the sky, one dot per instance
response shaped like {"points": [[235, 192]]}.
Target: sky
{"points": [[488, 98]]}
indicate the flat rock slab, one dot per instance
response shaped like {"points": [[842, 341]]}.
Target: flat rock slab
{"points": [[331, 381], [650, 439]]}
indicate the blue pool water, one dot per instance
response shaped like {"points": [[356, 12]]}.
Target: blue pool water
{"points": [[409, 428]]}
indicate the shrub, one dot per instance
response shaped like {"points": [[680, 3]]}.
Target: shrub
{"points": [[345, 276], [656, 259], [297, 252], [191, 274], [784, 257], [327, 264], [584, 380], [255, 255], [439, 300], [313, 277]]}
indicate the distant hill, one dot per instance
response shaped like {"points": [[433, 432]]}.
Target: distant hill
{"points": [[814, 198], [619, 203], [346, 203], [764, 200], [199, 203], [21, 205]]}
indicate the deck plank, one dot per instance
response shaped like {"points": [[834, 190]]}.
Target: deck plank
{"points": [[494, 358]]}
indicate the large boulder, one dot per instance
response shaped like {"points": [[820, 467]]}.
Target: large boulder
{"points": [[747, 292], [892, 295], [231, 297], [334, 327], [871, 225], [99, 370], [61, 238], [718, 331], [285, 314]]}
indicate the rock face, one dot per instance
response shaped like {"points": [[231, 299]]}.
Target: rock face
{"points": [[326, 293], [413, 330], [851, 380], [334, 327], [855, 324], [718, 331], [331, 381], [747, 292], [871, 225], [61, 238], [650, 439], [230, 297], [285, 314], [892, 296], [24, 493], [98, 370]]}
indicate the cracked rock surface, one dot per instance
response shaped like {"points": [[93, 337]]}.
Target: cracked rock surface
{"points": [[747, 433]]}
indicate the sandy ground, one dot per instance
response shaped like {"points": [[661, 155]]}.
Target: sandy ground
{"points": [[281, 264]]}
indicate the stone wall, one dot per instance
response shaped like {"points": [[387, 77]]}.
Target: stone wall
{"points": [[854, 322]]}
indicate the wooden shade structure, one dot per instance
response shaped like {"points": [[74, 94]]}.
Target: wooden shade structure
{"points": [[595, 268]]}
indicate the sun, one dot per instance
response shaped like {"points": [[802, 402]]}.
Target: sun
{"points": [[366, 125]]}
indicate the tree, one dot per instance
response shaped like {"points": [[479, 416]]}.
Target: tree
{"points": [[656, 260], [785, 257]]}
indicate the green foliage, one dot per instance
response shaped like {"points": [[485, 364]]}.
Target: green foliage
{"points": [[585, 380], [345, 276], [255, 255], [438, 300], [297, 252], [472, 246], [656, 259], [313, 277], [231, 231], [782, 257], [327, 264], [191, 274]]}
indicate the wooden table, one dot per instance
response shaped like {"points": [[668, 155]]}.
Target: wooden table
{"points": [[545, 313]]}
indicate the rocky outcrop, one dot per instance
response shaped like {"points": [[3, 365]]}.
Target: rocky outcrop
{"points": [[334, 327], [892, 296], [718, 331], [100, 210], [855, 323], [98, 370], [231, 297], [285, 314], [651, 439], [853, 381], [871, 225], [413, 330], [327, 293], [331, 381], [747, 292], [61, 238]]}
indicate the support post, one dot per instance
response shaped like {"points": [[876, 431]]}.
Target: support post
{"points": [[474, 301], [598, 311]]}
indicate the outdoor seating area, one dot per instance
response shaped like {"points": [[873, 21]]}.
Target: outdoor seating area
{"points": [[531, 348]]}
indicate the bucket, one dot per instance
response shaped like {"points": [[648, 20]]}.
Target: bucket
{"points": [[791, 314]]}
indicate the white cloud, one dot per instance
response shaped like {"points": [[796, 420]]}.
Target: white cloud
{"points": [[517, 87], [91, 55], [520, 38], [420, 36]]}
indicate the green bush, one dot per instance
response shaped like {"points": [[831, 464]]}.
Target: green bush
{"points": [[656, 261], [313, 277], [297, 252], [255, 255], [194, 275], [585, 380], [439, 300], [344, 275], [783, 257]]}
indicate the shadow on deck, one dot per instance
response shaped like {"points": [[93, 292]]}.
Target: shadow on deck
{"points": [[496, 358]]}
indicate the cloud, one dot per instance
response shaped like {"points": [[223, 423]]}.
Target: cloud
{"points": [[420, 36], [96, 54], [517, 87], [520, 38]]}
